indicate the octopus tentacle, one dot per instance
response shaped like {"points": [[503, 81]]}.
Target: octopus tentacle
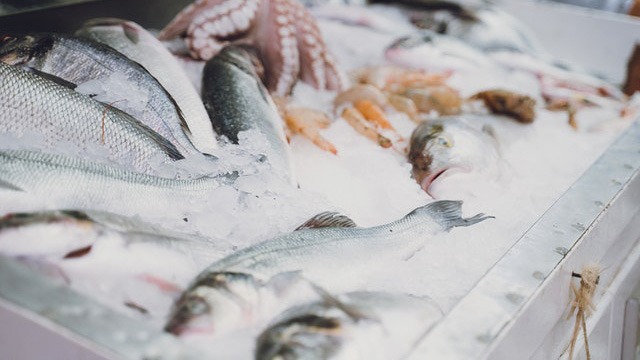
{"points": [[183, 20], [310, 47], [284, 32], [227, 20], [204, 48], [336, 79], [318, 66], [276, 40]]}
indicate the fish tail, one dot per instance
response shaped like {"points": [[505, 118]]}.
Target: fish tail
{"points": [[448, 214]]}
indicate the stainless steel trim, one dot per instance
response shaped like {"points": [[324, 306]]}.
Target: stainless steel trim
{"points": [[525, 294], [80, 325]]}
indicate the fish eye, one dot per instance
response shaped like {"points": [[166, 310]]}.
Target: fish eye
{"points": [[197, 306], [444, 141]]}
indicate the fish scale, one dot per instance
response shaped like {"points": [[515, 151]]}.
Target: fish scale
{"points": [[357, 252], [96, 185], [77, 61], [142, 47], [307, 249], [237, 101], [340, 325], [301, 249], [30, 103]]}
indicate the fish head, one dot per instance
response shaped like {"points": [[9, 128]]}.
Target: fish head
{"points": [[16, 220], [413, 40], [447, 145], [243, 58], [21, 49], [306, 336], [412, 50], [57, 234], [215, 304], [68, 223]]}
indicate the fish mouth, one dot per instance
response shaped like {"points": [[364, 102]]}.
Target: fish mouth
{"points": [[427, 181]]}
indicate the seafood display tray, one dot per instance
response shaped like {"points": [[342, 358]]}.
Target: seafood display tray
{"points": [[525, 293], [517, 310]]}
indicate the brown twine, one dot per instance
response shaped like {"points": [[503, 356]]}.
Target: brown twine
{"points": [[582, 304]]}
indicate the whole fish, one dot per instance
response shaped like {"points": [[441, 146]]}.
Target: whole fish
{"points": [[451, 144], [64, 233], [79, 61], [313, 250], [30, 103], [477, 23], [358, 325], [139, 45], [73, 183], [431, 51], [488, 29], [237, 101]]}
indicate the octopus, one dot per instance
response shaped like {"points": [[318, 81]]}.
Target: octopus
{"points": [[283, 32]]}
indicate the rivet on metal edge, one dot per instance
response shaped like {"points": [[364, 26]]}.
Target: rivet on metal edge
{"points": [[538, 275], [578, 226], [485, 338], [561, 250], [515, 298]]}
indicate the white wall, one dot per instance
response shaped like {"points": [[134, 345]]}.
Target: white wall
{"points": [[597, 40]]}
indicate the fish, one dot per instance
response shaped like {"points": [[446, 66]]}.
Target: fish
{"points": [[139, 45], [233, 300], [30, 103], [480, 25], [311, 251], [68, 233], [450, 144], [237, 101], [79, 62], [356, 325], [428, 50], [74, 183]]}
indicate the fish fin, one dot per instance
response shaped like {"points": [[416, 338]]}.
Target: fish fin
{"points": [[283, 281], [349, 310], [129, 28], [328, 219], [489, 130], [448, 214], [55, 79], [7, 185], [131, 32], [410, 256]]}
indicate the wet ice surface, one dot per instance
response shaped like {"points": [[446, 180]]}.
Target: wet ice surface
{"points": [[370, 184]]}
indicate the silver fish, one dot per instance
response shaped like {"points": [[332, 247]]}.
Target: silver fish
{"points": [[65, 233], [475, 22], [73, 183], [76, 61], [436, 52], [358, 325], [312, 251], [237, 101], [450, 143], [139, 45], [30, 103]]}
